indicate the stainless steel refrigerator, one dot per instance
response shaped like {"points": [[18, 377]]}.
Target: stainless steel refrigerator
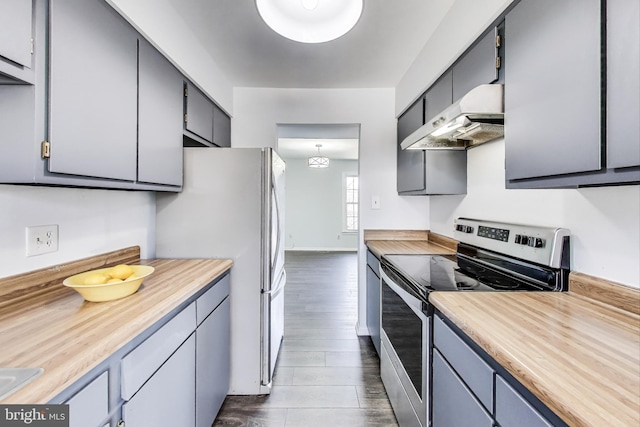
{"points": [[232, 206]]}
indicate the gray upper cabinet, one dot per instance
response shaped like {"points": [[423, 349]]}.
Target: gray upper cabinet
{"points": [[439, 96], [411, 167], [93, 91], [160, 87], [555, 109], [198, 113], [477, 66], [221, 128], [623, 83], [552, 88], [15, 31]]}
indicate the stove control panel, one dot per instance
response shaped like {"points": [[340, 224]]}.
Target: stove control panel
{"points": [[542, 245], [534, 242]]}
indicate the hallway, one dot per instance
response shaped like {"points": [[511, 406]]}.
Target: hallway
{"points": [[326, 375]]}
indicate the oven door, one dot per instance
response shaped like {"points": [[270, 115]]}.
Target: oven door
{"points": [[404, 363]]}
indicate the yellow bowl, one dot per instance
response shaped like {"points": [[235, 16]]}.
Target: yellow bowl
{"points": [[108, 291]]}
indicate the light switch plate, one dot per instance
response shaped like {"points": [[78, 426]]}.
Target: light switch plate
{"points": [[375, 202]]}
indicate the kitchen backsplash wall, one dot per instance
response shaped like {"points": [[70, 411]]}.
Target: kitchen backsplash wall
{"points": [[90, 222], [314, 206], [603, 220]]}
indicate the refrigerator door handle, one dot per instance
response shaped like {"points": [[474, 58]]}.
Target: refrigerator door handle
{"points": [[282, 282], [278, 231]]}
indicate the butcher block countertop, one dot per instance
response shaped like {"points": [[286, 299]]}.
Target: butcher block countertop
{"points": [[576, 352], [409, 242], [45, 324]]}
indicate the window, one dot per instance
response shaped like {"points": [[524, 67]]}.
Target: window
{"points": [[351, 202]]}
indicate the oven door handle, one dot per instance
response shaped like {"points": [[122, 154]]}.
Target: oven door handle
{"points": [[414, 303]]}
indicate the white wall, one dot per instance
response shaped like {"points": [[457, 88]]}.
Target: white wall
{"points": [[163, 26], [604, 221], [314, 206], [90, 222], [259, 110]]}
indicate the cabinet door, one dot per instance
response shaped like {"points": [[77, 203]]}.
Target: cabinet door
{"points": [[552, 88], [199, 111], [159, 118], [168, 398], [410, 163], [438, 97], [512, 410], [373, 307], [15, 31], [93, 91], [90, 405], [221, 128], [623, 83], [477, 66], [212, 364], [453, 403]]}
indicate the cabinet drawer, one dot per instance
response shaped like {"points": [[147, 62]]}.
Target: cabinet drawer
{"points": [[470, 367], [513, 410], [212, 298], [453, 403], [145, 359], [373, 262], [90, 405]]}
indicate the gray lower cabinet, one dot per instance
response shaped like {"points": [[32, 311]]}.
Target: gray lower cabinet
{"points": [[453, 402], [90, 406], [472, 389], [15, 37], [373, 299], [93, 91], [159, 118], [555, 113], [213, 341], [167, 399], [513, 410]]}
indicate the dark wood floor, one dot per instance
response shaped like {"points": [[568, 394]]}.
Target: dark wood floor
{"points": [[326, 375]]}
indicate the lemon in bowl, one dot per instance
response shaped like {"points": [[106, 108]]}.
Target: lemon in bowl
{"points": [[111, 283]]}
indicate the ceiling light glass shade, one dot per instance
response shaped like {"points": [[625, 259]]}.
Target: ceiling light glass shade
{"points": [[318, 162], [310, 21]]}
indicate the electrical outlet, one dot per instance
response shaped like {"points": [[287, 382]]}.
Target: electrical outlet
{"points": [[42, 239]]}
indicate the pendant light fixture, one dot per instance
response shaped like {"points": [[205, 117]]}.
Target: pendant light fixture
{"points": [[310, 21], [318, 161]]}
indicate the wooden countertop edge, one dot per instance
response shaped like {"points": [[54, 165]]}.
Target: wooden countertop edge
{"points": [[64, 366]]}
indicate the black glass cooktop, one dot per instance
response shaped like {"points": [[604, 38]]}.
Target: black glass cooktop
{"points": [[444, 273]]}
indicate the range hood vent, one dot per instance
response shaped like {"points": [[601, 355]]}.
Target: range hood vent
{"points": [[475, 118]]}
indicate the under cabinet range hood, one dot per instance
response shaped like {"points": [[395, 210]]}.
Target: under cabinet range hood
{"points": [[475, 118]]}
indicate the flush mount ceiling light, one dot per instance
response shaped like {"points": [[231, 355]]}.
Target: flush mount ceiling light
{"points": [[318, 161], [310, 21]]}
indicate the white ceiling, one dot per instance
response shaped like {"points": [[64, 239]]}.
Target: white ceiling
{"points": [[376, 53]]}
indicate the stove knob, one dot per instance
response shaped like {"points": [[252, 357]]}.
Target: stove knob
{"points": [[538, 242], [518, 239]]}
